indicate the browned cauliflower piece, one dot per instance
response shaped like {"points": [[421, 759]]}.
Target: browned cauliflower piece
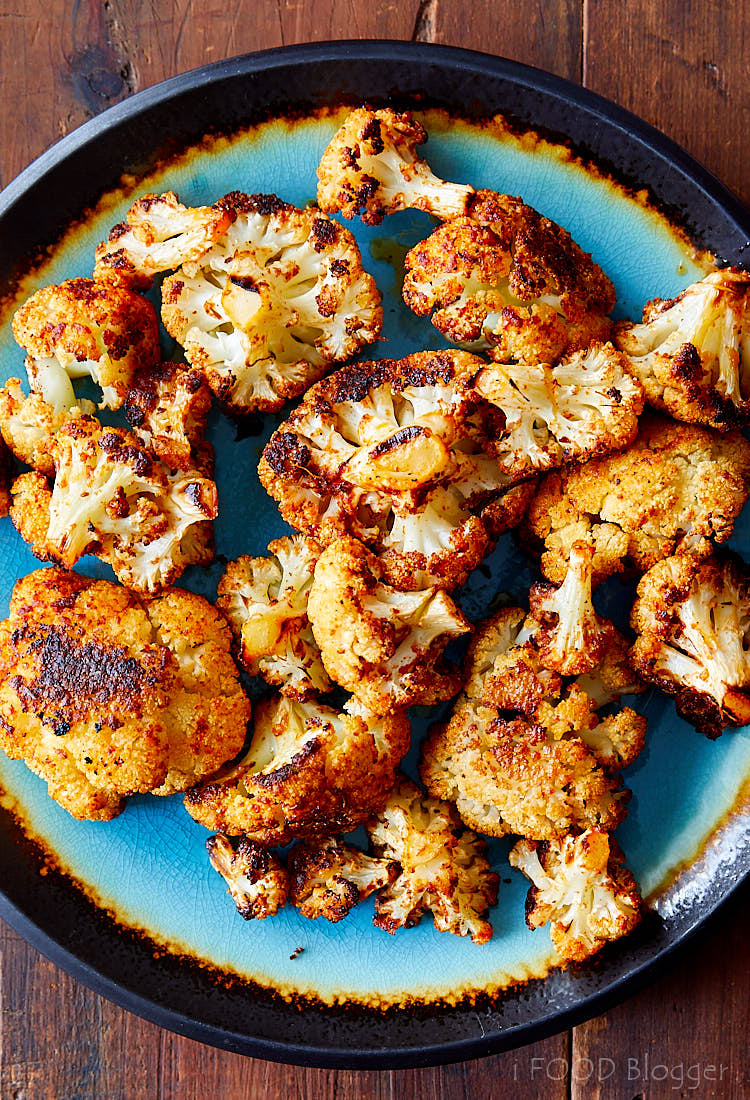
{"points": [[587, 405], [106, 694], [581, 888], [394, 453], [6, 475], [371, 168], [328, 877], [506, 278], [692, 620], [273, 304], [265, 600], [514, 756], [692, 353], [309, 771], [112, 498], [257, 878], [384, 646], [443, 867], [28, 424], [82, 328], [674, 483], [166, 406], [159, 234]]}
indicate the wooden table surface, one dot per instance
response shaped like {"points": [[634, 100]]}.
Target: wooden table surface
{"points": [[682, 66]]}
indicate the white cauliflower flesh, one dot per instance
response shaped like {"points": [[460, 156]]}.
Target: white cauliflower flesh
{"points": [[276, 300], [384, 646], [581, 888], [692, 618], [586, 405], [159, 234], [265, 600], [443, 867], [371, 168], [112, 498], [86, 329], [28, 424], [393, 453], [692, 353], [328, 878], [256, 878]]}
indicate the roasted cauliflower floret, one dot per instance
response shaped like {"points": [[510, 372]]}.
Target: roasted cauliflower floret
{"points": [[85, 329], [309, 771], [506, 278], [328, 877], [105, 694], [514, 755], [692, 353], [581, 888], [265, 600], [384, 646], [159, 234], [257, 879], [166, 407], [6, 475], [674, 483], [585, 406], [112, 498], [443, 867], [371, 168], [28, 424], [393, 453], [692, 620], [278, 299]]}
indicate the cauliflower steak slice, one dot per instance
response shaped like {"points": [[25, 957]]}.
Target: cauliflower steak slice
{"points": [[328, 877], [257, 879], [371, 168], [506, 278], [443, 867], [309, 771], [105, 694], [382, 645], [692, 620], [692, 353], [276, 300], [265, 600], [80, 329], [581, 888], [394, 453]]}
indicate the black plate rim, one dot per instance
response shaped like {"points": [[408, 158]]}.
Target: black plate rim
{"points": [[633, 128]]}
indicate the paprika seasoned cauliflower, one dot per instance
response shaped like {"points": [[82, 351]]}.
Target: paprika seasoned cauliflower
{"points": [[309, 771], [674, 483], [587, 405], [166, 406], [443, 867], [328, 878], [159, 234], [394, 453], [692, 620], [384, 646], [692, 353], [28, 424], [514, 756], [6, 474], [506, 278], [105, 694], [580, 887], [265, 600], [112, 498], [278, 298], [80, 329], [257, 879], [371, 168]]}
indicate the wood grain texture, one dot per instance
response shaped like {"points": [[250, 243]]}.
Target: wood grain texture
{"points": [[681, 66]]}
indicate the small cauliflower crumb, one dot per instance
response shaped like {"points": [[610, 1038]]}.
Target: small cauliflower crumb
{"points": [[328, 877], [257, 878]]}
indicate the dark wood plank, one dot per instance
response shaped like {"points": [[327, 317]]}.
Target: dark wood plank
{"points": [[681, 66]]}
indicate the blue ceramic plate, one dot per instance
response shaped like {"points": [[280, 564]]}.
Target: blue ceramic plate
{"points": [[138, 912]]}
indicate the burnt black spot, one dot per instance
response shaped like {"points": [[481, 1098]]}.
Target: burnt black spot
{"points": [[244, 282], [372, 133], [404, 435], [324, 233], [60, 728], [340, 268], [284, 451]]}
